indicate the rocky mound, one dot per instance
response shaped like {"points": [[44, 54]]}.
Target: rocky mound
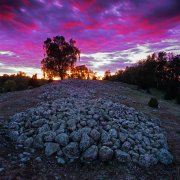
{"points": [[76, 125]]}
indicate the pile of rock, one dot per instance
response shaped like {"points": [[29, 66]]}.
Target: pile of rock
{"points": [[85, 128]]}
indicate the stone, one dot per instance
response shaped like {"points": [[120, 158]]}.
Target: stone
{"points": [[14, 135], [91, 123], [49, 136], [113, 133], [21, 139], [123, 136], [85, 130], [38, 142], [105, 153], [61, 161], [90, 154], [55, 126], [38, 123], [95, 134], [44, 129], [134, 157], [71, 151], [122, 156], [83, 123], [146, 141], [51, 148], [147, 160], [164, 156], [38, 159], [107, 127], [28, 142], [14, 126], [71, 124], [126, 146], [85, 142], [95, 116], [62, 139], [138, 136], [75, 136], [28, 124], [105, 138]]}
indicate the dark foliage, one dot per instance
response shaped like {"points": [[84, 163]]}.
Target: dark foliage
{"points": [[153, 102], [161, 71], [19, 82], [178, 97]]}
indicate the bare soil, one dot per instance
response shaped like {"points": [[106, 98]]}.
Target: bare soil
{"points": [[11, 168]]}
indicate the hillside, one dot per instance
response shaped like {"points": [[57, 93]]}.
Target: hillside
{"points": [[77, 95]]}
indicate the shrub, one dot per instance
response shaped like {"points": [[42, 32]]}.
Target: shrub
{"points": [[1, 90], [178, 97], [153, 102], [9, 85]]}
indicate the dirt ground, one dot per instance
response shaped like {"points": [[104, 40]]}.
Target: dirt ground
{"points": [[11, 168]]}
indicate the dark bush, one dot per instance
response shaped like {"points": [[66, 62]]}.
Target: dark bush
{"points": [[153, 102], [178, 97], [9, 85], [1, 90]]}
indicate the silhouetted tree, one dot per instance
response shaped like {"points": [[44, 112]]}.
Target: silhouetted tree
{"points": [[60, 56], [107, 75]]}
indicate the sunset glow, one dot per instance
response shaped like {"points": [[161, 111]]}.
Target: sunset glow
{"points": [[110, 34]]}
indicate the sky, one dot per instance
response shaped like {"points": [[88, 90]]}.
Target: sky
{"points": [[111, 34]]}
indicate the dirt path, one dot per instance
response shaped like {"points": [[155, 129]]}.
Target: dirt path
{"points": [[11, 168]]}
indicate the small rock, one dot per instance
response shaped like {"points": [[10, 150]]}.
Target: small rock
{"points": [[71, 151], [85, 142], [105, 138], [49, 136], [14, 135], [165, 157], [105, 153], [123, 136], [38, 159], [62, 139], [113, 133], [147, 160], [60, 161], [28, 142], [122, 156], [95, 134], [51, 148], [83, 123], [38, 143], [75, 136], [44, 129], [90, 154], [38, 123], [126, 146]]}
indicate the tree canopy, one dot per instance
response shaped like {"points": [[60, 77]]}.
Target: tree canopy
{"points": [[160, 70], [60, 56]]}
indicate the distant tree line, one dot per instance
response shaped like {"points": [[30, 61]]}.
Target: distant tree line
{"points": [[161, 71], [19, 81]]}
